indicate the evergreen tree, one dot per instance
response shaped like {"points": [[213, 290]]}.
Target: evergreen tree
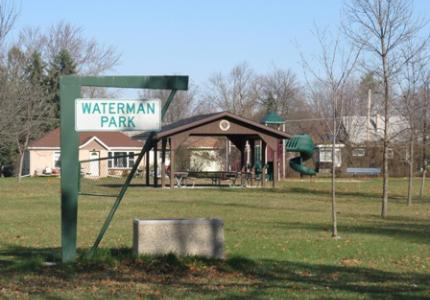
{"points": [[36, 70], [37, 77], [271, 105], [369, 82], [63, 64]]}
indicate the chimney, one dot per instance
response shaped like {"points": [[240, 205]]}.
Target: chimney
{"points": [[378, 123]]}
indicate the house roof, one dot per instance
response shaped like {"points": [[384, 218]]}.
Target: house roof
{"points": [[360, 129], [110, 139], [196, 121]]}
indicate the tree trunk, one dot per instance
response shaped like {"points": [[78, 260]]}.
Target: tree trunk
{"points": [[333, 175], [333, 196], [411, 170], [423, 178], [21, 163], [21, 149], [384, 209]]}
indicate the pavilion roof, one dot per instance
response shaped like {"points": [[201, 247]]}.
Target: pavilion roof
{"points": [[199, 120]]}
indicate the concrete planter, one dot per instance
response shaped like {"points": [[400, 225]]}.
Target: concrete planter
{"points": [[201, 237]]}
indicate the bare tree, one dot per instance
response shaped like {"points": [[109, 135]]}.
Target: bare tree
{"points": [[183, 105], [24, 105], [235, 92], [283, 86], [410, 81], [330, 73], [27, 104], [382, 27], [90, 57], [8, 15], [424, 120]]}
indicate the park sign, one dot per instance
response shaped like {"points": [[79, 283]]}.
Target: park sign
{"points": [[117, 115]]}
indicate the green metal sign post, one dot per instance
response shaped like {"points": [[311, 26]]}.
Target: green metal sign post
{"points": [[70, 89]]}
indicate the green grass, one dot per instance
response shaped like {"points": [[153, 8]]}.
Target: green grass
{"points": [[278, 244]]}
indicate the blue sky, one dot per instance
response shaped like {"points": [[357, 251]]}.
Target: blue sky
{"points": [[196, 38]]}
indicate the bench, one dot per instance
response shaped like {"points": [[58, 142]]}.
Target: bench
{"points": [[363, 171]]}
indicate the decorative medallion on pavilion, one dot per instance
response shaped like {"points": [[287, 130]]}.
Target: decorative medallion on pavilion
{"points": [[224, 125]]}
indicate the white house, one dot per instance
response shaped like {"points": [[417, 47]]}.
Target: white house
{"points": [[361, 130]]}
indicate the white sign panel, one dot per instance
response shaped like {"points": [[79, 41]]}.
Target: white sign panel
{"points": [[117, 115]]}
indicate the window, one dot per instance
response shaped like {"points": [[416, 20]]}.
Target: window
{"points": [[325, 156], [120, 160], [130, 159], [390, 153], [358, 152], [57, 159]]}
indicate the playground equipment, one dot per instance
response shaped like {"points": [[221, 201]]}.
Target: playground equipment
{"points": [[303, 144]]}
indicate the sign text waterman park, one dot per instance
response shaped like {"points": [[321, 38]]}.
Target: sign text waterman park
{"points": [[117, 115]]}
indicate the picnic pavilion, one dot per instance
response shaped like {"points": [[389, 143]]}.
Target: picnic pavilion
{"points": [[238, 130]]}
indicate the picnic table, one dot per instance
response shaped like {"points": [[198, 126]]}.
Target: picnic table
{"points": [[180, 177], [215, 176]]}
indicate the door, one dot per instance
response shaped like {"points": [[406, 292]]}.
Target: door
{"points": [[94, 164]]}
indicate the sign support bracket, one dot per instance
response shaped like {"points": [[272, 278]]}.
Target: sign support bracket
{"points": [[70, 89], [146, 147]]}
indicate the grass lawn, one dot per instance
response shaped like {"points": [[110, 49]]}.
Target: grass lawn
{"points": [[278, 244]]}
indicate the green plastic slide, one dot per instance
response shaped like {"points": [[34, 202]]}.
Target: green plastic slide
{"points": [[303, 144]]}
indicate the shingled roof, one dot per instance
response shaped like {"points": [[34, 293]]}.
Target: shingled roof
{"points": [[110, 139]]}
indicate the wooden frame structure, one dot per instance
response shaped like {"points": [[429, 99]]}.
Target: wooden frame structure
{"points": [[236, 129]]}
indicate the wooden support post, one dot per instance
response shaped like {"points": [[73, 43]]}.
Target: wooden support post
{"points": [[172, 165], [227, 155], [284, 167], [155, 164], [252, 146], [263, 163], [147, 165], [242, 176], [252, 176], [242, 158], [163, 162], [252, 160], [275, 167]]}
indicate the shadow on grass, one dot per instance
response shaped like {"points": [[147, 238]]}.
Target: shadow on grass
{"points": [[233, 278], [357, 194], [241, 205], [326, 193], [408, 232]]}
